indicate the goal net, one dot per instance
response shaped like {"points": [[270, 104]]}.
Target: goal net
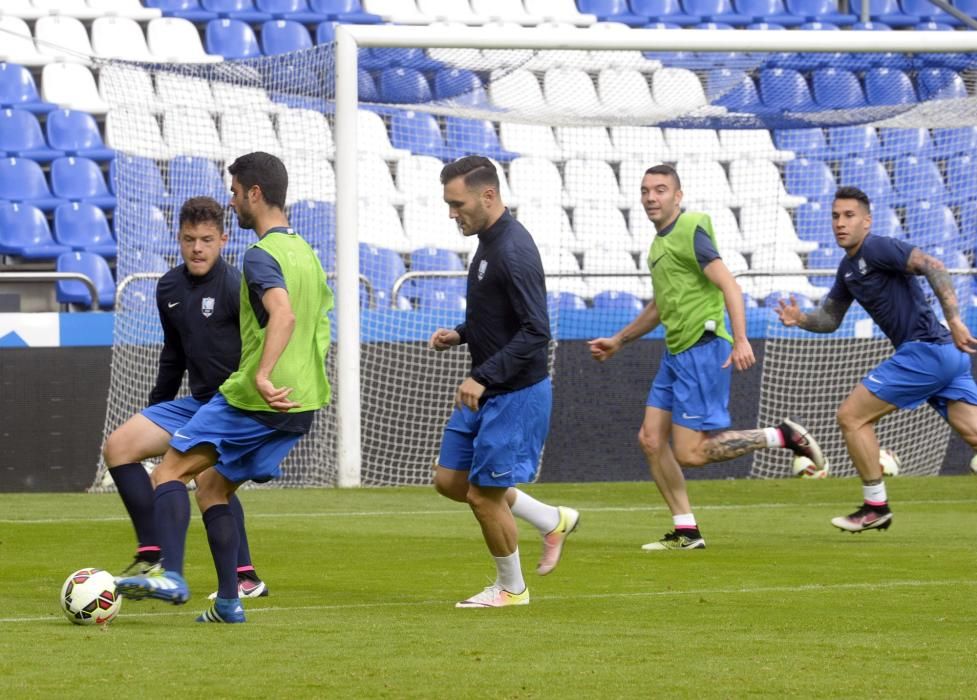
{"points": [[760, 138]]}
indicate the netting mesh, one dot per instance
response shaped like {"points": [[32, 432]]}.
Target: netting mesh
{"points": [[760, 140]]}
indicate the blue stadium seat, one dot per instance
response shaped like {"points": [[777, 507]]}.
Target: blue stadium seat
{"points": [[407, 58], [96, 268], [810, 178], [404, 86], [925, 11], [885, 222], [80, 180], [143, 226], [734, 90], [825, 257], [345, 11], [435, 297], [22, 180], [460, 86], [812, 221], [137, 260], [17, 89], [142, 179], [382, 267], [193, 176], [663, 11], [243, 10], [939, 84], [716, 11], [804, 142], [611, 300], [951, 142], [284, 35], [888, 12], [76, 133], [929, 224], [475, 136], [870, 176], [902, 142], [187, 9], [230, 38], [767, 11], [820, 11], [612, 11], [325, 33], [294, 10], [316, 222], [960, 179], [837, 89], [772, 300], [918, 178], [21, 137], [968, 215], [419, 133], [24, 233], [436, 260], [853, 141], [785, 89], [564, 301], [83, 226], [888, 86], [367, 87]]}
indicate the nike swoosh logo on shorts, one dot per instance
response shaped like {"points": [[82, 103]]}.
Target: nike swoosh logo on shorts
{"points": [[872, 378], [178, 434], [499, 475], [686, 416]]}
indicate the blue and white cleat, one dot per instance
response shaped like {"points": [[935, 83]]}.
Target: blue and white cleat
{"points": [[162, 585], [224, 610]]}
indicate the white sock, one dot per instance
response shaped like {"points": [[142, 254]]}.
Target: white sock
{"points": [[875, 495], [510, 573], [774, 437], [544, 517], [685, 520]]}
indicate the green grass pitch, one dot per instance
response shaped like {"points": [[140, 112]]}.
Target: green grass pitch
{"points": [[363, 584]]}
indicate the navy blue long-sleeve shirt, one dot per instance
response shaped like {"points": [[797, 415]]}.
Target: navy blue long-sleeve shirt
{"points": [[201, 331], [507, 326]]}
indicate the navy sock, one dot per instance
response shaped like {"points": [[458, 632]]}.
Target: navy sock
{"points": [[136, 490], [172, 506], [244, 564], [222, 534]]}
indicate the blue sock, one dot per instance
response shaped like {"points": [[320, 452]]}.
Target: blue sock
{"points": [[243, 551], [172, 506], [222, 534], [136, 491]]}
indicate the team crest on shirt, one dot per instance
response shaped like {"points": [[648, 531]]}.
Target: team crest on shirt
{"points": [[482, 266], [862, 267], [207, 306]]}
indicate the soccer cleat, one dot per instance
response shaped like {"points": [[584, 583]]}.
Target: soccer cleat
{"points": [[554, 539], [800, 442], [162, 585], [676, 540], [141, 567], [865, 518], [247, 588], [227, 610], [495, 597]]}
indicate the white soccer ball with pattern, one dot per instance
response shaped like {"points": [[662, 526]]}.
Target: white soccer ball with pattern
{"points": [[804, 468], [89, 597], [890, 462]]}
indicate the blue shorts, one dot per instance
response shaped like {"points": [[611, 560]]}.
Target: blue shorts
{"points": [[246, 449], [501, 443], [694, 387], [920, 372], [171, 415]]}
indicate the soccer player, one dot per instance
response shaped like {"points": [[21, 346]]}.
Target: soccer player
{"points": [[263, 408], [495, 435], [930, 363], [689, 397], [198, 304]]}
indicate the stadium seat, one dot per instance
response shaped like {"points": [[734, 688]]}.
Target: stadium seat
{"points": [[811, 179], [176, 90], [21, 137], [130, 9], [939, 84], [506, 11], [870, 176], [434, 295], [766, 226], [18, 44], [186, 9], [120, 37], [346, 11], [925, 11], [557, 302], [600, 59], [734, 90], [71, 8], [418, 59], [136, 169], [80, 180], [193, 132], [404, 86], [563, 272], [22, 180], [888, 86], [516, 90], [75, 133], [242, 10], [626, 91], [677, 89], [382, 267], [951, 142], [810, 143], [17, 89], [778, 259], [137, 260], [375, 181], [373, 137], [812, 221], [917, 178], [785, 89], [451, 11], [570, 91], [549, 225], [756, 181], [959, 175], [929, 224], [820, 11], [664, 11], [315, 221], [601, 226], [754, 143], [471, 136], [530, 140], [176, 40], [560, 11], [889, 13], [460, 86], [231, 38], [24, 233], [419, 133], [310, 177], [767, 11], [417, 178], [612, 11], [135, 132], [604, 267], [426, 224], [432, 259], [380, 225], [63, 38], [72, 86], [306, 130], [590, 180], [611, 300], [192, 176], [846, 141], [75, 292], [397, 11], [535, 180], [83, 226], [716, 11], [885, 222], [837, 89], [645, 142], [700, 144], [901, 142], [704, 184], [292, 10], [143, 226], [284, 35], [587, 142]]}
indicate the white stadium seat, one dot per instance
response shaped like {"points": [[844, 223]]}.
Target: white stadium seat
{"points": [[306, 131], [644, 142], [632, 172], [375, 182], [230, 96], [120, 84], [18, 43], [599, 59], [378, 224], [427, 225], [778, 259], [563, 272], [727, 230], [372, 136], [586, 142], [120, 37], [751, 143], [559, 11], [642, 230], [132, 9], [548, 224], [701, 144], [759, 181], [192, 132], [535, 180], [397, 11], [71, 86], [505, 58], [504, 10], [135, 131], [704, 184], [470, 59], [677, 90], [24, 9], [508, 198], [68, 8], [243, 131], [63, 39], [570, 91], [590, 180], [625, 91], [547, 59], [766, 226], [530, 140], [309, 178], [418, 178], [601, 226], [176, 90], [451, 11], [517, 90], [176, 40], [602, 261]]}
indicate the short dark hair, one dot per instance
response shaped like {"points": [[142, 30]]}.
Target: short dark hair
{"points": [[477, 171], [264, 170], [849, 192], [665, 169], [202, 210]]}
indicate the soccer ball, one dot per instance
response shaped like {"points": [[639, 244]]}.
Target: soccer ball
{"points": [[804, 468], [890, 462], [89, 597]]}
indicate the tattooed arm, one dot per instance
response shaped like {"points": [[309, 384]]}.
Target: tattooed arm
{"points": [[920, 263], [825, 319]]}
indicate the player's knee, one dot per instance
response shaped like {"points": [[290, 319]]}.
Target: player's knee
{"points": [[690, 456], [112, 450], [847, 420], [448, 486], [651, 442]]}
